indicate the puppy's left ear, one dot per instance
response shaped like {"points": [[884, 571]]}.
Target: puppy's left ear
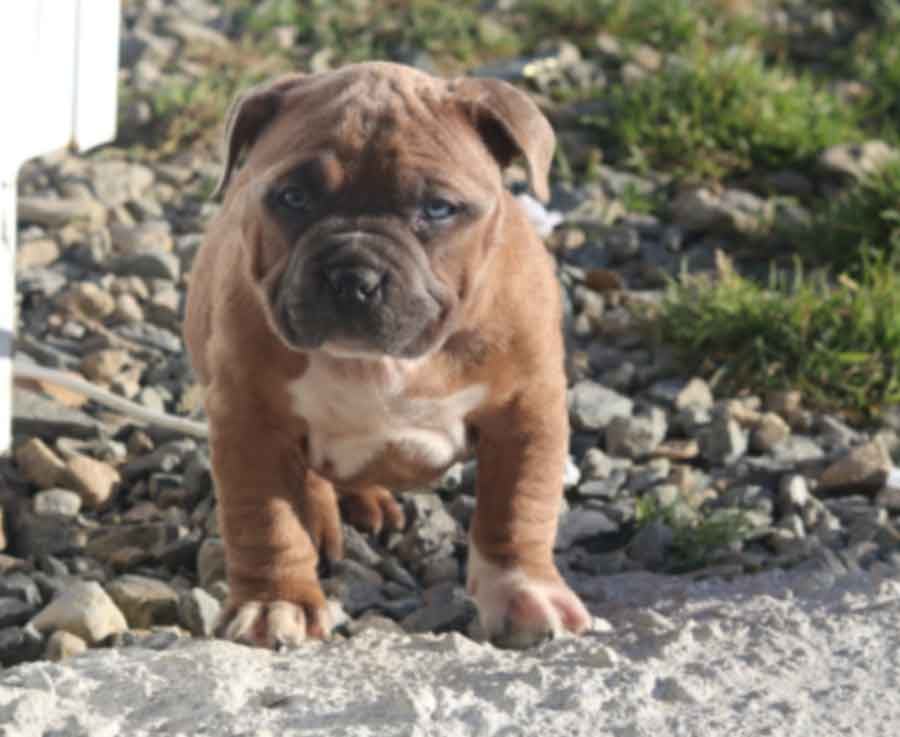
{"points": [[249, 114], [511, 125]]}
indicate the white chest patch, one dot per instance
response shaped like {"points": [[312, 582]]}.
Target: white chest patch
{"points": [[358, 409]]}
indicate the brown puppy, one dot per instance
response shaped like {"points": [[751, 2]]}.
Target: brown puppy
{"points": [[369, 307]]}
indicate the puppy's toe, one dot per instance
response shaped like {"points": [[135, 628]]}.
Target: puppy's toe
{"points": [[519, 611], [372, 509], [276, 624]]}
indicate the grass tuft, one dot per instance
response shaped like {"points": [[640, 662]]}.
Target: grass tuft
{"points": [[837, 343], [864, 217], [725, 114], [698, 539]]}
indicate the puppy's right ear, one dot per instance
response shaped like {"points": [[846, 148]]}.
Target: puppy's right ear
{"points": [[249, 114]]}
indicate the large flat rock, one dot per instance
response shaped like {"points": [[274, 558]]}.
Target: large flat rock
{"points": [[768, 655]]}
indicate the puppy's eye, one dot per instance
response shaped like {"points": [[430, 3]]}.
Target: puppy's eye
{"points": [[438, 209], [293, 198]]}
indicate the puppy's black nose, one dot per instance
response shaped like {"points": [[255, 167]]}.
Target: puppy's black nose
{"points": [[356, 283]]}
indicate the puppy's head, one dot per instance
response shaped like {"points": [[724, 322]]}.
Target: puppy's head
{"points": [[371, 198]]}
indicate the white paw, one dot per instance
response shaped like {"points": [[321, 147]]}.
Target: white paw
{"points": [[276, 624], [517, 611]]}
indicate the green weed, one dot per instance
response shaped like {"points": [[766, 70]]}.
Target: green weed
{"points": [[838, 343], [866, 216], [697, 538], [721, 115]]}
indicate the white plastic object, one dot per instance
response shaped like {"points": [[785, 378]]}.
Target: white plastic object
{"points": [[58, 83]]}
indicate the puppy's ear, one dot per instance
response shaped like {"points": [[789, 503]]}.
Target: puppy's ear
{"points": [[249, 114], [511, 125]]}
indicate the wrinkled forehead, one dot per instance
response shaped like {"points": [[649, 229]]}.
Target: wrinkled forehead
{"points": [[383, 127]]}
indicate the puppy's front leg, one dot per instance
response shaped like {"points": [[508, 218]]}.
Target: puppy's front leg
{"points": [[274, 592], [520, 594]]}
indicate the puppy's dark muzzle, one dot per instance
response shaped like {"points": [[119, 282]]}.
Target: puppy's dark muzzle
{"points": [[356, 285]]}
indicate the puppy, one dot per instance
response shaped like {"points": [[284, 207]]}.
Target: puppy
{"points": [[369, 307]]}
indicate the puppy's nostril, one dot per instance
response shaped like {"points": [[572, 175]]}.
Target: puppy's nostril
{"points": [[359, 283]]}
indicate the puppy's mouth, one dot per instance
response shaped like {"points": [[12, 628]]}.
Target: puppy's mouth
{"points": [[360, 294]]}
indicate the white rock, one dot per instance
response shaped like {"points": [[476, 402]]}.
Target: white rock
{"points": [[85, 610]]}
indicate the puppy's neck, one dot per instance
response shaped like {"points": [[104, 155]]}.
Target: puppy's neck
{"points": [[385, 374]]}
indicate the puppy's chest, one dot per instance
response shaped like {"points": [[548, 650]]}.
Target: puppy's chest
{"points": [[357, 418]]}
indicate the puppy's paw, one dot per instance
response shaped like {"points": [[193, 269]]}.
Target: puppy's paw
{"points": [[519, 611], [276, 624], [372, 509]]}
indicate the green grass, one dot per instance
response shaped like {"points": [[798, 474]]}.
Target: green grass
{"points": [[866, 216], [839, 344], [189, 110], [670, 26], [698, 538], [874, 59], [722, 115], [455, 34]]}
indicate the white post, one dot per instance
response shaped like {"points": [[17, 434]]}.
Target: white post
{"points": [[58, 85], [7, 301]]}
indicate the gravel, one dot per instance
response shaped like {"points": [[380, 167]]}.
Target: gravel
{"points": [[782, 521]]}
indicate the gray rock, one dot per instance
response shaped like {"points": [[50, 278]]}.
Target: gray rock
{"points": [[20, 586], [436, 569], [637, 436], [447, 608], [152, 336], [56, 213], [583, 524], [691, 420], [857, 160], [393, 570], [651, 544], [196, 34], [167, 458], [643, 477], [117, 182], [595, 465], [793, 491], [14, 612], [723, 442], [355, 595], [731, 211], [150, 538], [864, 468], [798, 451], [154, 235], [431, 529], [622, 243], [592, 406], [38, 535], [19, 644], [607, 488], [198, 476], [680, 393], [144, 601], [147, 263], [60, 502], [372, 622], [769, 432], [199, 612], [211, 562], [36, 415], [571, 474], [85, 610], [837, 435]]}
